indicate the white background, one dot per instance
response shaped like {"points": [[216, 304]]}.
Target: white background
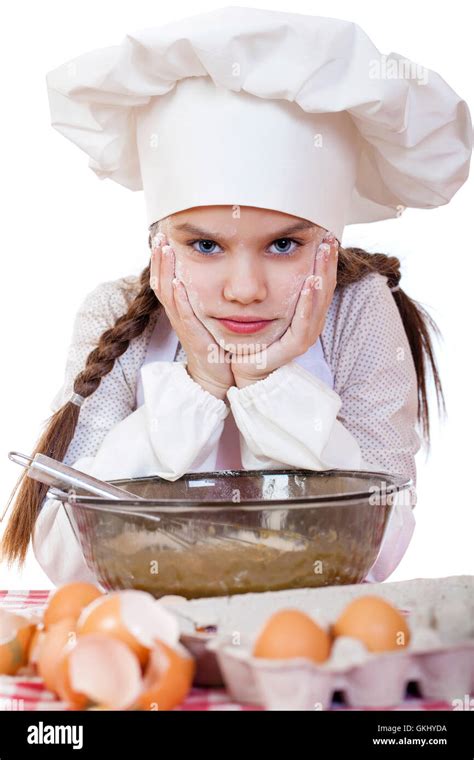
{"points": [[63, 231]]}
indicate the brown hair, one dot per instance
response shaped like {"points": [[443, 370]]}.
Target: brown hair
{"points": [[353, 264]]}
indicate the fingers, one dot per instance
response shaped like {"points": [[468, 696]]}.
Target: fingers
{"points": [[155, 262], [158, 240], [172, 292], [325, 265], [167, 274], [316, 293], [304, 307], [322, 251], [162, 271], [183, 307]]}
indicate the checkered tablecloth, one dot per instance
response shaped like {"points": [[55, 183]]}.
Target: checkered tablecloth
{"points": [[29, 693]]}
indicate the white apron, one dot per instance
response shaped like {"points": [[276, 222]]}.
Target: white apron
{"points": [[162, 347]]}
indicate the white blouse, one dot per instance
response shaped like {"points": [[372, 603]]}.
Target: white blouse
{"points": [[149, 417]]}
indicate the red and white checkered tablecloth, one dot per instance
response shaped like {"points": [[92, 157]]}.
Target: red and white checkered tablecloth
{"points": [[29, 693]]}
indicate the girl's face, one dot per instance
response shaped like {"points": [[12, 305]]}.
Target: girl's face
{"points": [[250, 265]]}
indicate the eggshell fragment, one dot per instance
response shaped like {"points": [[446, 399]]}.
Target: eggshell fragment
{"points": [[35, 645], [375, 622], [16, 632], [53, 647], [68, 601], [168, 677], [94, 658], [292, 633], [100, 670], [134, 617]]}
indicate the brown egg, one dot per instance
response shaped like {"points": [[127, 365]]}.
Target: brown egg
{"points": [[69, 601], [375, 622], [292, 633], [16, 633]]}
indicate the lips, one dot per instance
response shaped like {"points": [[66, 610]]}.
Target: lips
{"points": [[247, 318], [244, 324]]}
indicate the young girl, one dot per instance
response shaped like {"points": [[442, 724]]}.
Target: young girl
{"points": [[253, 339]]}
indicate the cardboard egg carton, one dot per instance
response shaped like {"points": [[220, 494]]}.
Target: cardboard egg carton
{"points": [[439, 657]]}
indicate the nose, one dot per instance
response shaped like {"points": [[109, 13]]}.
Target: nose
{"points": [[245, 278]]}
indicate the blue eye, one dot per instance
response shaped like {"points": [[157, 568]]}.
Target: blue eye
{"points": [[207, 247], [206, 251], [286, 242]]}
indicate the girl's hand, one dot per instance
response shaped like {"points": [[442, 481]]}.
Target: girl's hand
{"points": [[205, 361], [306, 325]]}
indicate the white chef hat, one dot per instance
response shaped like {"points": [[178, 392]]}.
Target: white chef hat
{"points": [[285, 111]]}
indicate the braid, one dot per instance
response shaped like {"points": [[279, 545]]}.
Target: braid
{"points": [[61, 426], [115, 341]]}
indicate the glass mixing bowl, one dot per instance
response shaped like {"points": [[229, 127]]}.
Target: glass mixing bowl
{"points": [[235, 531]]}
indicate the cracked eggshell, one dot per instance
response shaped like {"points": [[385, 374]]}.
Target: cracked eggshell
{"points": [[68, 601], [168, 677], [34, 646], [16, 632], [134, 617], [103, 673], [53, 646], [100, 670]]}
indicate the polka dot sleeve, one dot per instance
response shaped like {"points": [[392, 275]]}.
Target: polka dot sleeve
{"points": [[365, 344], [114, 398]]}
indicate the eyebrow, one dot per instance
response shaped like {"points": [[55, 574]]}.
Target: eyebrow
{"points": [[193, 229]]}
